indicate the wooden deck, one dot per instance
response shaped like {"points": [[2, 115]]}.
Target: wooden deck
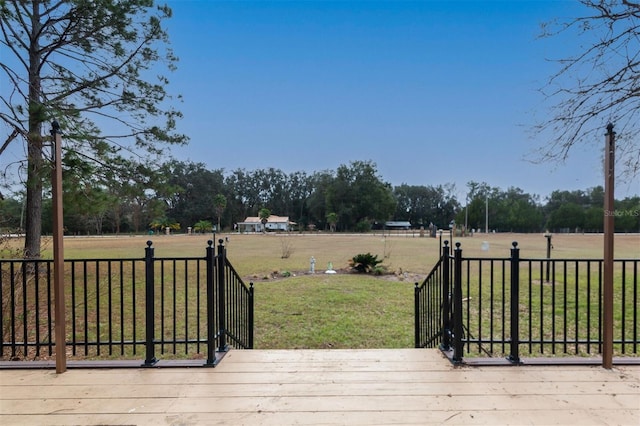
{"points": [[350, 387]]}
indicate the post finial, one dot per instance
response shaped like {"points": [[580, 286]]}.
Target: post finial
{"points": [[55, 127], [610, 128]]}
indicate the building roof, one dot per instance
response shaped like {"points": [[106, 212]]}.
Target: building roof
{"points": [[272, 219], [398, 223]]}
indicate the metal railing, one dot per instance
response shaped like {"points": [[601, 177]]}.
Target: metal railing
{"points": [[181, 307], [507, 307], [432, 307]]}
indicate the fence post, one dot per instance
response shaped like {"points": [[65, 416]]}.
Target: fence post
{"points": [[211, 302], [250, 315], [221, 297], [457, 305], [446, 298], [609, 232], [416, 315], [514, 356], [150, 358]]}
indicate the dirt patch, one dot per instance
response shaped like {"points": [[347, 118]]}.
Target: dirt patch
{"points": [[280, 276]]}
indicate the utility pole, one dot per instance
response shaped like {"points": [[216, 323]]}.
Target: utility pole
{"points": [[466, 214], [486, 215]]}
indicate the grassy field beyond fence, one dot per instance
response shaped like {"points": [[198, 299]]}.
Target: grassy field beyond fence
{"points": [[295, 309]]}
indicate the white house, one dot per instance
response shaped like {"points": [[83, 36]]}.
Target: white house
{"points": [[274, 223]]}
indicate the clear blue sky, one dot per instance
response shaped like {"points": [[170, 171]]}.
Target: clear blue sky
{"points": [[432, 92]]}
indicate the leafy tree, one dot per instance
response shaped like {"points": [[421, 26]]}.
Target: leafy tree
{"points": [[590, 215], [364, 225], [596, 196], [243, 191], [145, 209], [317, 203], [423, 205], [10, 212], [134, 195], [413, 203], [86, 208], [627, 215], [84, 64], [516, 211], [568, 216], [594, 219], [87, 199], [478, 195], [358, 194], [332, 219], [188, 190], [274, 190], [300, 189], [558, 198], [284, 194], [597, 85]]}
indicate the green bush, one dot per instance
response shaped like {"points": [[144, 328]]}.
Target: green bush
{"points": [[363, 226], [365, 263], [379, 270]]}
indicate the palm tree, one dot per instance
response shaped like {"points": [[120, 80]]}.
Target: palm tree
{"points": [[219, 204], [203, 226], [264, 214], [163, 223]]}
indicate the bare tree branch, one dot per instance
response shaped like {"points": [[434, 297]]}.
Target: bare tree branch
{"points": [[599, 84]]}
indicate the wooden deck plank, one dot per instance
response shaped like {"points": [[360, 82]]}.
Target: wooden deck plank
{"points": [[298, 374], [326, 403], [310, 389], [412, 386], [423, 417]]}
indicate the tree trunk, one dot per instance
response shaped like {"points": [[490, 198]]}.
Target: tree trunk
{"points": [[33, 222], [35, 163]]}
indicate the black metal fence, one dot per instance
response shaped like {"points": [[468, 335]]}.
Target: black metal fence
{"points": [[511, 306], [174, 308], [432, 307]]}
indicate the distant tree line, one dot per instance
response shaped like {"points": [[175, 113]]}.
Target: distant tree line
{"points": [[354, 197]]}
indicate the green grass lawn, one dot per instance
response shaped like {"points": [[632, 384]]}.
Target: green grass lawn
{"points": [[334, 311]]}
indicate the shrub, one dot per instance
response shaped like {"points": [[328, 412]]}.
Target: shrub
{"points": [[364, 263], [379, 270], [363, 226], [286, 247]]}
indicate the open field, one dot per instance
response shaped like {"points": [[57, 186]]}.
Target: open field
{"points": [[342, 310], [261, 254]]}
